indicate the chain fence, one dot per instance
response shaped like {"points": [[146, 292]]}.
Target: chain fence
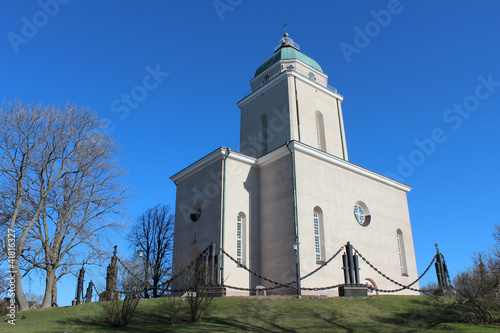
{"points": [[288, 285], [278, 284], [161, 287], [165, 286], [403, 287]]}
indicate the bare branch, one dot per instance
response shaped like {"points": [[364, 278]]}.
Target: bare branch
{"points": [[61, 186]]}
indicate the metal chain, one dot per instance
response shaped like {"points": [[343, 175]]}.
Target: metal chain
{"points": [[255, 273], [323, 264], [324, 288], [277, 287], [128, 270], [288, 285], [169, 281], [280, 285], [255, 289], [393, 281]]}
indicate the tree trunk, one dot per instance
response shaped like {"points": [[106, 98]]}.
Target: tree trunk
{"points": [[21, 300], [54, 293], [146, 279], [49, 281], [156, 281]]}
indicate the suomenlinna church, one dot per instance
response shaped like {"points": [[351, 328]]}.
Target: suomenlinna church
{"points": [[290, 198]]}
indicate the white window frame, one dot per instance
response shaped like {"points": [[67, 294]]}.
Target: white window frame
{"points": [[317, 234], [320, 131], [239, 239], [402, 253]]}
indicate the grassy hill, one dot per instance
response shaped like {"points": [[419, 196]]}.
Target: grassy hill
{"points": [[272, 314]]}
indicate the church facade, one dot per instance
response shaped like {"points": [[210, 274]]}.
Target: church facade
{"points": [[289, 199]]}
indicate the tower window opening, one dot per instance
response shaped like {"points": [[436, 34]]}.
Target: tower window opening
{"points": [[239, 239], [402, 254], [318, 234], [320, 131]]}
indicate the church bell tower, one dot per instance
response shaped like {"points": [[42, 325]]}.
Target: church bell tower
{"points": [[291, 100], [289, 198]]}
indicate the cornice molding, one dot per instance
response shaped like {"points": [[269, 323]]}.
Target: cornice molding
{"points": [[318, 86], [280, 152], [263, 89], [283, 75], [272, 156], [196, 166], [303, 148], [209, 159]]}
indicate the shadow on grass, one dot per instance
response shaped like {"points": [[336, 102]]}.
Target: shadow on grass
{"points": [[91, 322], [270, 323], [143, 318], [242, 326], [427, 317], [331, 320], [147, 320]]}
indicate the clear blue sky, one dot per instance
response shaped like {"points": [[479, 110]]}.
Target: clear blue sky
{"points": [[403, 83]]}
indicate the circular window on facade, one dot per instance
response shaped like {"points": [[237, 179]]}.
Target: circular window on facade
{"points": [[196, 215], [362, 214]]}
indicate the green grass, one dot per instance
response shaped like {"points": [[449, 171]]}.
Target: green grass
{"points": [[273, 314]]}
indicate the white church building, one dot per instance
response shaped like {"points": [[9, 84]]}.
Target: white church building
{"points": [[289, 199]]}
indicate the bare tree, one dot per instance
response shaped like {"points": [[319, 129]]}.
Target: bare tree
{"points": [[59, 185], [196, 280], [117, 312], [478, 287], [153, 236]]}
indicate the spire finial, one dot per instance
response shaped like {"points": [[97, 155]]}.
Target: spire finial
{"points": [[286, 34]]}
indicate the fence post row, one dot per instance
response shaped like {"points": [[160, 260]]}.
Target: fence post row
{"points": [[210, 260]]}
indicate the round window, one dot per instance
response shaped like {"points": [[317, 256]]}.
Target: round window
{"points": [[362, 214], [196, 215], [359, 213]]}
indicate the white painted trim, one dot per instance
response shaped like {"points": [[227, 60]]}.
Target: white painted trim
{"points": [[262, 89], [303, 148], [196, 166], [279, 78], [342, 130], [208, 159], [287, 61], [237, 156], [272, 156], [283, 62], [261, 75], [280, 152], [318, 86]]}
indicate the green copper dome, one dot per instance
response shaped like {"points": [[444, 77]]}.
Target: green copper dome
{"points": [[286, 50]]}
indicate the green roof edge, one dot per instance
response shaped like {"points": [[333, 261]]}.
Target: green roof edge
{"points": [[286, 53]]}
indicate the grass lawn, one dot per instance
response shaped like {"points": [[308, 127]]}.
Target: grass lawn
{"points": [[271, 314]]}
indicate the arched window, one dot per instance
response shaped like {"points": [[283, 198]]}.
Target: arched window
{"points": [[240, 238], [402, 254], [318, 234], [372, 284], [263, 134], [320, 131]]}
